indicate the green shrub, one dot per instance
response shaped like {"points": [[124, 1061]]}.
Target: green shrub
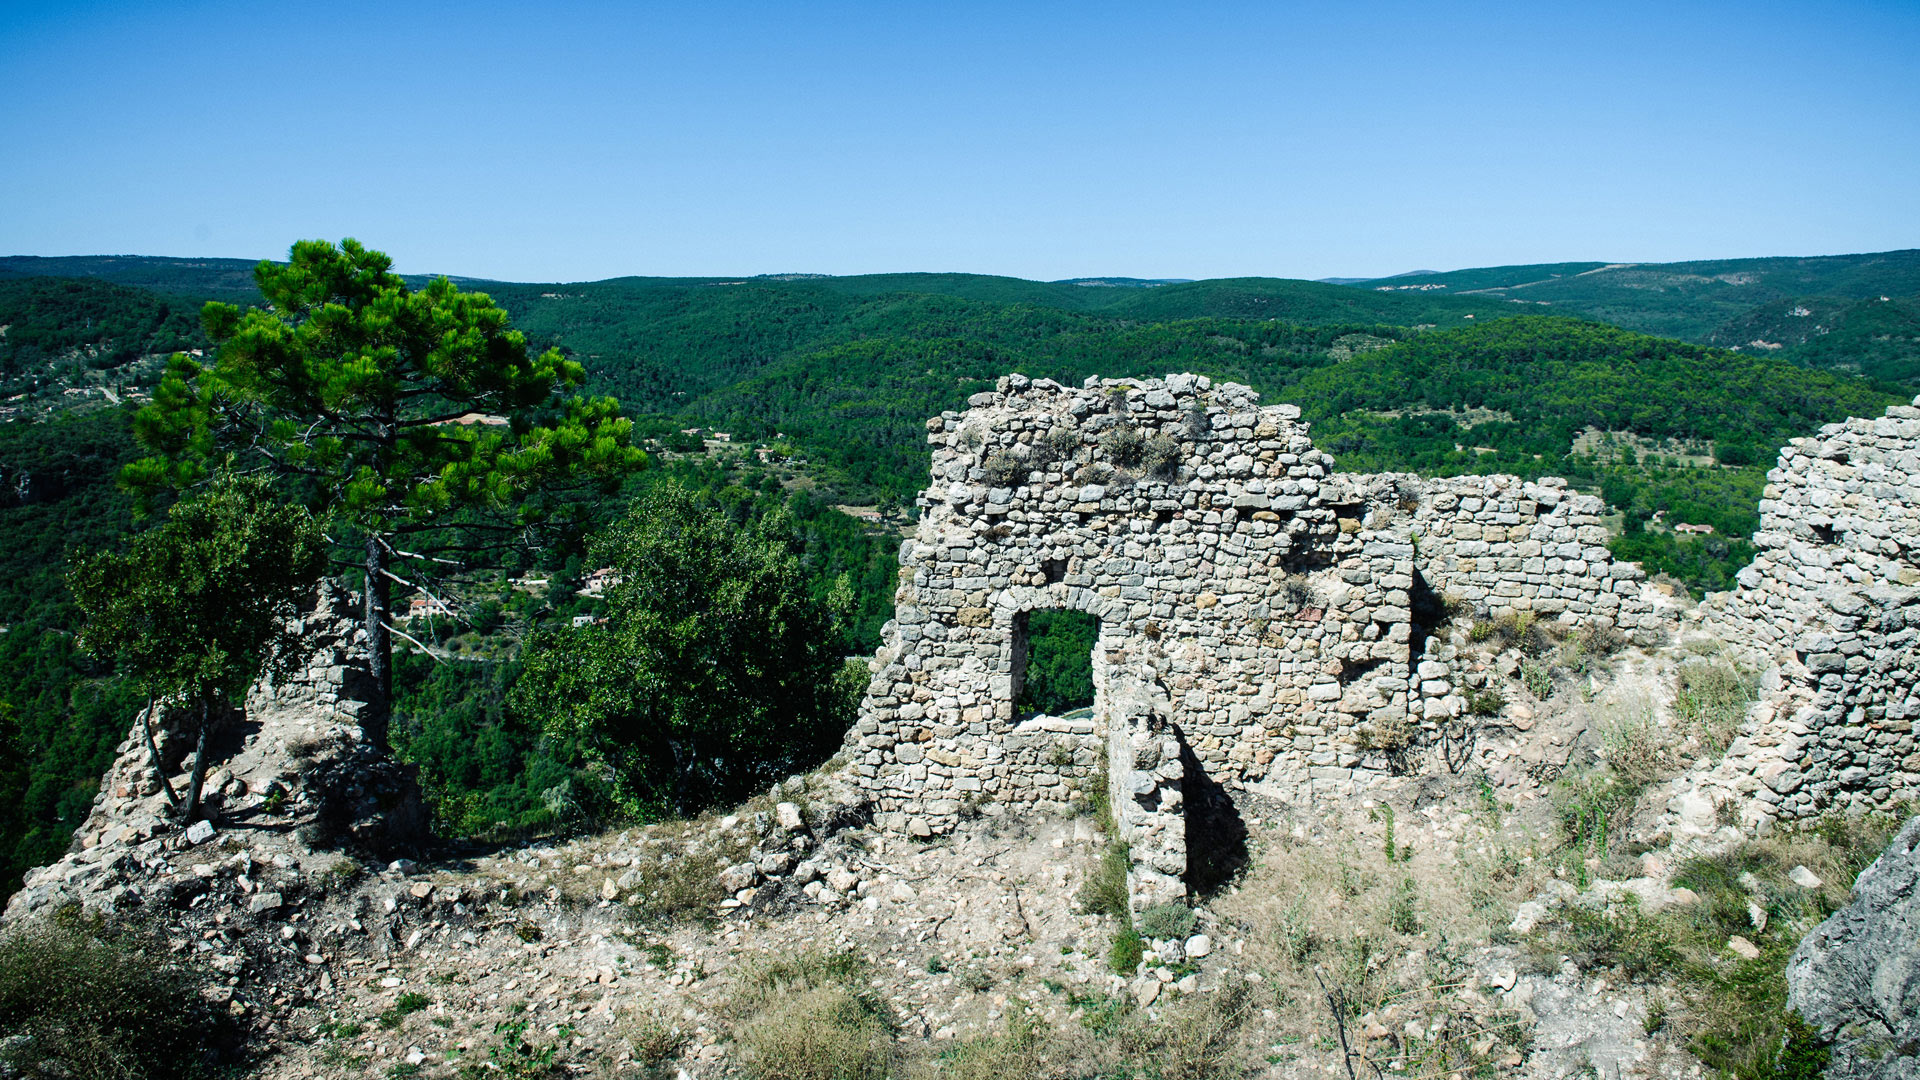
{"points": [[1003, 468], [1164, 921], [80, 997], [1161, 457], [1062, 441], [1125, 446], [1487, 702], [406, 1005], [1124, 955]]}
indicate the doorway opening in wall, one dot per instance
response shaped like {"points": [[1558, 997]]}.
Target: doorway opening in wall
{"points": [[1056, 677]]}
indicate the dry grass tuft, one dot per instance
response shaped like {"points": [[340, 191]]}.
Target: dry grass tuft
{"points": [[1389, 941], [812, 1016]]}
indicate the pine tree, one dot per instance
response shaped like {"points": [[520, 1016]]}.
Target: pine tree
{"points": [[392, 410]]}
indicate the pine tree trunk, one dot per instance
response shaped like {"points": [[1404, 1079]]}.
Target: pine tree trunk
{"points": [[379, 644], [199, 775], [153, 754]]}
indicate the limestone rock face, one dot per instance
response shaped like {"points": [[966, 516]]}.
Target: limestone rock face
{"points": [[292, 782], [1856, 977]]}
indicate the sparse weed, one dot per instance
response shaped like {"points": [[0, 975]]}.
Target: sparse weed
{"points": [[1513, 630], [1710, 702], [1634, 744], [514, 1057], [1537, 677], [1105, 890], [678, 887], [1729, 1011], [655, 1044], [1018, 1051], [974, 977], [1403, 913]]}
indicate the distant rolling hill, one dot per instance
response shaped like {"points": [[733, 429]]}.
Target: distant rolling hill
{"points": [[1300, 301], [209, 278], [1850, 312]]}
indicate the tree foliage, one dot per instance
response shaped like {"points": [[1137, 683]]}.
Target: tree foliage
{"points": [[81, 997], [715, 671], [99, 325], [1059, 662], [390, 408], [198, 607]]}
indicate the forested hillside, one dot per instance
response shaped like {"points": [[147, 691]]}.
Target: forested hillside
{"points": [[61, 713], [1859, 313]]}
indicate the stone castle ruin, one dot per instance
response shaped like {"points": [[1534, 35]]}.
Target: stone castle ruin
{"points": [[1264, 623], [1265, 626]]}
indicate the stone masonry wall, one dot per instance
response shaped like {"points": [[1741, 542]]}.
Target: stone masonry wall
{"points": [[1499, 544], [1187, 520], [1830, 609], [1259, 609]]}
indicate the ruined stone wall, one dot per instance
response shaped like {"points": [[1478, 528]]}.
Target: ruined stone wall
{"points": [[1187, 518], [1497, 544], [1830, 608], [1261, 609], [1488, 546]]}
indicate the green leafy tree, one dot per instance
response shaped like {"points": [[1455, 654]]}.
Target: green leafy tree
{"points": [[396, 411], [196, 609], [715, 671]]}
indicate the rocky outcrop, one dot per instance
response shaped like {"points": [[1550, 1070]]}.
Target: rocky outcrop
{"points": [[1856, 977], [293, 783]]}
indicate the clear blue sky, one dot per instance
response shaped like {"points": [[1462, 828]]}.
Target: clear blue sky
{"points": [[565, 142]]}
